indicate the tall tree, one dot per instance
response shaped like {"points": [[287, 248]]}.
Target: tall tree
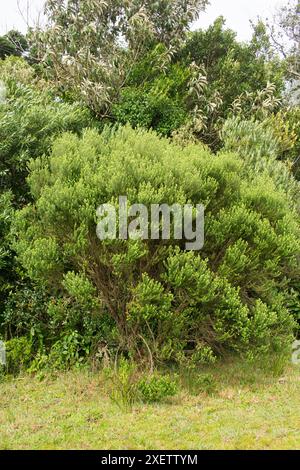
{"points": [[91, 45], [13, 43], [284, 32]]}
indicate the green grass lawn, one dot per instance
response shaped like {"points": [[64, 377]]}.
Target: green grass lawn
{"points": [[73, 411]]}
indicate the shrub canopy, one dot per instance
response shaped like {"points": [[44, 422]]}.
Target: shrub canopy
{"points": [[229, 296]]}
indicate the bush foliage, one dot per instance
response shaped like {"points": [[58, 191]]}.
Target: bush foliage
{"points": [[229, 296], [29, 120]]}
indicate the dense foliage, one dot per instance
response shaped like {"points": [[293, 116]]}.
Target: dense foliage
{"points": [[89, 46], [211, 77], [120, 98], [30, 117], [12, 44], [228, 297]]}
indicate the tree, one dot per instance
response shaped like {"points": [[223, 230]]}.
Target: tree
{"points": [[284, 32], [30, 117], [13, 43], [232, 67], [18, 40], [91, 45], [6, 48], [196, 88]]}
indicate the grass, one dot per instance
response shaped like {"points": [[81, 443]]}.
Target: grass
{"points": [[251, 410]]}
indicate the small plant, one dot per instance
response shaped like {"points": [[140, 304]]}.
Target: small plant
{"points": [[206, 383], [19, 353], [156, 388], [68, 352], [129, 386], [124, 384], [197, 383], [274, 365], [2, 373]]}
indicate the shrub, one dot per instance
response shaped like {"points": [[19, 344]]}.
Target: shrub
{"points": [[129, 385], [206, 383], [7, 275], [6, 48], [63, 331], [229, 296], [19, 354], [268, 148], [261, 148], [123, 379], [12, 44], [31, 116], [195, 381], [286, 127], [149, 110], [155, 388], [68, 352], [26, 311], [2, 373], [15, 70]]}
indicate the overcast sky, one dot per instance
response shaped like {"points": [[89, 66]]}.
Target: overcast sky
{"points": [[237, 13]]}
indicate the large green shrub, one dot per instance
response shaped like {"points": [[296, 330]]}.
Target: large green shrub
{"points": [[164, 302]]}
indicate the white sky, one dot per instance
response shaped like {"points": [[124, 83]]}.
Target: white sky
{"points": [[11, 18], [237, 13]]}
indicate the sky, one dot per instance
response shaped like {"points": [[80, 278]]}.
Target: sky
{"points": [[237, 14], [11, 17]]}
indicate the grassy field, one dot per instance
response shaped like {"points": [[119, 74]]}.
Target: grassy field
{"points": [[73, 411]]}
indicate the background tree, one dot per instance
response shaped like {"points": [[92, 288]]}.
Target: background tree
{"points": [[211, 76], [13, 43], [90, 46], [284, 32]]}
